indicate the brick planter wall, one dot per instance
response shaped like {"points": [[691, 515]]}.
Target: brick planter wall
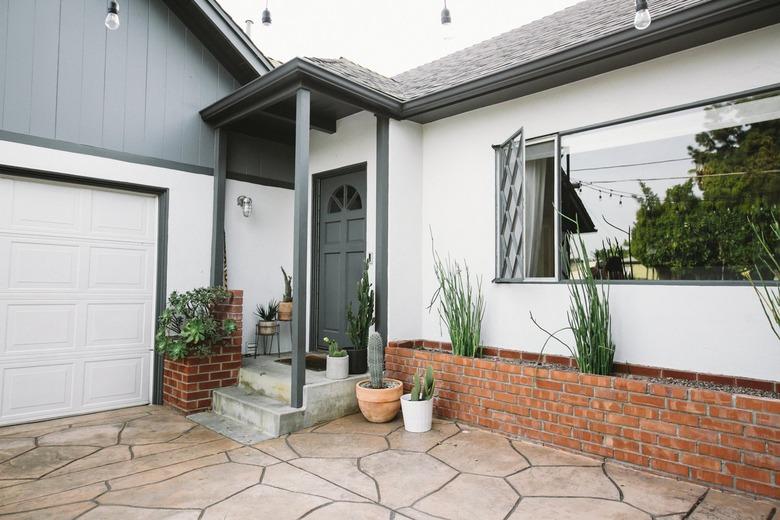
{"points": [[726, 440], [187, 383]]}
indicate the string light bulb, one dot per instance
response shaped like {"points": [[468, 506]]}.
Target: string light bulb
{"points": [[112, 17], [266, 16], [642, 17]]}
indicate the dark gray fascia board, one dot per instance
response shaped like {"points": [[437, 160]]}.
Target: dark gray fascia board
{"points": [[209, 22], [698, 25], [285, 80]]}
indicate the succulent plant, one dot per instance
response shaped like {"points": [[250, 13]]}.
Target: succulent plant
{"points": [[268, 312], [422, 388], [287, 297], [334, 349], [376, 359]]}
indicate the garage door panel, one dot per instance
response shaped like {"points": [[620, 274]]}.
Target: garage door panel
{"points": [[42, 265], [121, 215], [37, 389], [115, 381], [49, 207], [34, 328], [117, 324], [120, 268]]}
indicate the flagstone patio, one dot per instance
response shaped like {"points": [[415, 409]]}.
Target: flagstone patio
{"points": [[152, 463]]}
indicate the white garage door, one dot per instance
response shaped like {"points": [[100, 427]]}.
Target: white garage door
{"points": [[77, 282]]}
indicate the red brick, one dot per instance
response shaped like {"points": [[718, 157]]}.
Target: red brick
{"points": [[698, 434], [732, 414], [748, 473], [700, 462], [579, 389], [594, 380], [623, 420], [560, 375], [632, 458], [745, 443], [608, 406], [711, 397], [759, 404], [688, 407], [720, 452], [677, 392], [669, 467], [758, 489], [549, 385], [658, 426], [640, 435], [762, 461], [631, 385], [677, 443], [597, 449], [679, 418], [640, 411], [660, 453], [647, 400], [713, 477], [723, 426]]}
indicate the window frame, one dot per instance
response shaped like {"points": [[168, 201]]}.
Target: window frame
{"points": [[558, 136]]}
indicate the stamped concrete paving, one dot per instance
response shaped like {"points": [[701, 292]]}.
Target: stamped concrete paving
{"points": [[152, 463]]}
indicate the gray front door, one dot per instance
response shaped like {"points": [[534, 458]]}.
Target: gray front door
{"points": [[341, 251]]}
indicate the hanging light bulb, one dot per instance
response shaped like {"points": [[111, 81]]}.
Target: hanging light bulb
{"points": [[642, 17], [446, 18], [112, 18], [266, 16]]}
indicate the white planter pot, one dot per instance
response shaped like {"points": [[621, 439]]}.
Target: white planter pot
{"points": [[337, 367], [417, 414]]}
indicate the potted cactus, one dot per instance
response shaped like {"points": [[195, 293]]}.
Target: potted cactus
{"points": [[337, 363], [417, 406], [359, 321], [285, 306], [379, 398], [267, 314]]}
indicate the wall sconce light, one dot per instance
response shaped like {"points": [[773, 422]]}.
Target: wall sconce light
{"points": [[246, 205]]}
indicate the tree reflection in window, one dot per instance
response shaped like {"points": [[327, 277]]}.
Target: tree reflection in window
{"points": [[344, 197]]}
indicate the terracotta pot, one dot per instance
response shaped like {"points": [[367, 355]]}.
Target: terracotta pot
{"points": [[379, 405], [285, 311]]}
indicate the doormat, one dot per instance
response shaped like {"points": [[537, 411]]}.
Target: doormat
{"points": [[313, 362]]}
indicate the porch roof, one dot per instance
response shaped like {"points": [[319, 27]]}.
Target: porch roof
{"points": [[265, 107]]}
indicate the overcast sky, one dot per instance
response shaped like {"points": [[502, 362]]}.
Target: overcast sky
{"points": [[388, 36]]}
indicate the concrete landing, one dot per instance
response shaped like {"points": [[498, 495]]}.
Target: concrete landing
{"points": [[262, 398]]}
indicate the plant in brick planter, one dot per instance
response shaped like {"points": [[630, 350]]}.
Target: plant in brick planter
{"points": [[461, 305], [417, 405], [188, 326], [589, 318], [360, 321], [379, 398]]}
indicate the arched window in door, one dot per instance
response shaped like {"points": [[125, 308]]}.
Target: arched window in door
{"points": [[344, 197]]}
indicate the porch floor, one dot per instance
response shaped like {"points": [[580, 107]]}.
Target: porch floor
{"points": [[151, 462]]}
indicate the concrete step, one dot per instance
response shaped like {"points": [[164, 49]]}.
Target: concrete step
{"points": [[231, 429], [270, 416]]}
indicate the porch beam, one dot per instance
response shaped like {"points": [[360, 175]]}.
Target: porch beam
{"points": [[218, 217], [300, 247], [382, 201]]}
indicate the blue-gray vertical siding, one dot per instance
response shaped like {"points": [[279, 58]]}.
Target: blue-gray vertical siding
{"points": [[138, 90]]}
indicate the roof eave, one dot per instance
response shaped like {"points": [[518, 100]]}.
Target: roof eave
{"points": [[688, 28]]}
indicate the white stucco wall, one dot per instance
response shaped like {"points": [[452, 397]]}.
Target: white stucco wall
{"points": [[190, 202], [700, 328], [405, 247], [354, 142], [257, 246]]}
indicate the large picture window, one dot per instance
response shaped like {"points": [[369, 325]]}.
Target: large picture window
{"points": [[675, 197]]}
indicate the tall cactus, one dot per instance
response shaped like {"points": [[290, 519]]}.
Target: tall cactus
{"points": [[376, 359]]}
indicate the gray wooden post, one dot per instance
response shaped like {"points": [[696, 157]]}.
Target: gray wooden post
{"points": [[218, 218], [382, 186], [300, 252]]}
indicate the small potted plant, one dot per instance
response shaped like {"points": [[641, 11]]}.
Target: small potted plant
{"points": [[337, 364], [267, 314], [417, 406], [379, 398], [285, 306], [359, 322]]}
